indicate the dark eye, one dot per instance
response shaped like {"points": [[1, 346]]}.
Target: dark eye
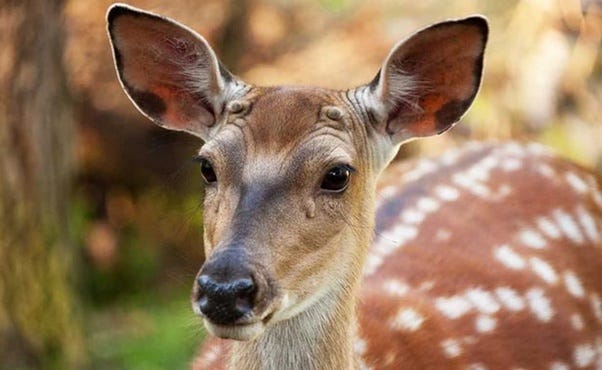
{"points": [[207, 170], [337, 178]]}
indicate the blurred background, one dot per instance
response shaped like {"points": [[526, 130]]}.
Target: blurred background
{"points": [[100, 211]]}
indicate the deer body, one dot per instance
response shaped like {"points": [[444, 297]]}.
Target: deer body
{"points": [[470, 251]]}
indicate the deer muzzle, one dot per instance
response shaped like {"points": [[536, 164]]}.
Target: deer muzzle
{"points": [[231, 292]]}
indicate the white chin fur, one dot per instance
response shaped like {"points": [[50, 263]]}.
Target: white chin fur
{"points": [[236, 332]]}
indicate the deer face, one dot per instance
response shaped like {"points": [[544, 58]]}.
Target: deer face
{"points": [[290, 172], [284, 181]]}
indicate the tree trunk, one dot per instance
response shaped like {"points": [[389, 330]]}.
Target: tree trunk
{"points": [[38, 322]]}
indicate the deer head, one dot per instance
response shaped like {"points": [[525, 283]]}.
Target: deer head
{"points": [[290, 171]]}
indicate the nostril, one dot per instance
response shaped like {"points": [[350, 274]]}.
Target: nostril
{"points": [[204, 282], [237, 287], [244, 294], [243, 286], [203, 303]]}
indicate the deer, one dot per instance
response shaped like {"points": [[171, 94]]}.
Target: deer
{"points": [[487, 257]]}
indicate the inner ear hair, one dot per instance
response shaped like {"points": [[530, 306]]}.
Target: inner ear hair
{"points": [[428, 81], [170, 72]]}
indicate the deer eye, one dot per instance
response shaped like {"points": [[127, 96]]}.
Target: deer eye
{"points": [[206, 170], [337, 178]]}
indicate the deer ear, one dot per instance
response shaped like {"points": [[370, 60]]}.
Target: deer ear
{"points": [[169, 71], [429, 80]]}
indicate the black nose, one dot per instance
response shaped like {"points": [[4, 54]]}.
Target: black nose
{"points": [[224, 301]]}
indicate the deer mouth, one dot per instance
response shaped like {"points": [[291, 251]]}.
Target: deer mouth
{"points": [[241, 332], [244, 329]]}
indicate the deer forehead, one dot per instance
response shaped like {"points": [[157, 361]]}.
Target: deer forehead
{"points": [[284, 129]]}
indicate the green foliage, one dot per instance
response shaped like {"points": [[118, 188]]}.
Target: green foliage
{"points": [[135, 269], [154, 330]]}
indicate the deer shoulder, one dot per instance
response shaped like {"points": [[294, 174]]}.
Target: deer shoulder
{"points": [[487, 257]]}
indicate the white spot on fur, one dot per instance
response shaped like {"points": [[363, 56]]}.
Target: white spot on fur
{"points": [[477, 366], [532, 239], [568, 226], [407, 319], [453, 307], [589, 224], [447, 193], [577, 322], [584, 355], [478, 172], [427, 204], [388, 191], [490, 162], [363, 365], [450, 157], [360, 346], [514, 148], [385, 194], [559, 366], [485, 323], [596, 304], [483, 301], [598, 345], [540, 304], [402, 233], [548, 228], [412, 216], [386, 243], [543, 270], [576, 182], [546, 170], [511, 164], [471, 185], [538, 149], [373, 261], [423, 167], [509, 257], [451, 348], [510, 299], [573, 285], [395, 288], [597, 195], [426, 285]]}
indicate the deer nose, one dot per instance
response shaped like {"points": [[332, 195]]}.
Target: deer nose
{"points": [[224, 301]]}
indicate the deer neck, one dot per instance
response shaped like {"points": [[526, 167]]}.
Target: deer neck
{"points": [[318, 338]]}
